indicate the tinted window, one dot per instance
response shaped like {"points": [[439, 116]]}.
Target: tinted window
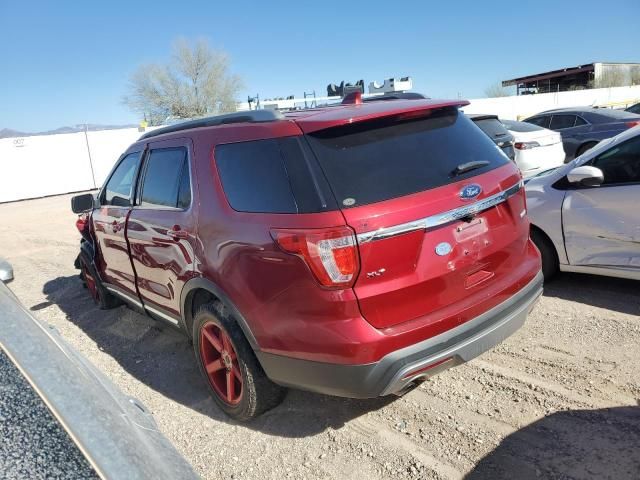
{"points": [[558, 122], [254, 177], [184, 191], [521, 126], [371, 161], [540, 121], [580, 121], [621, 164], [492, 127], [162, 177], [634, 108], [117, 192]]}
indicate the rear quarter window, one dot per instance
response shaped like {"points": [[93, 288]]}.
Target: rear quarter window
{"points": [[254, 177], [277, 175]]}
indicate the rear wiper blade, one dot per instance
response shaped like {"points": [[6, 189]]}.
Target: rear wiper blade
{"points": [[467, 167]]}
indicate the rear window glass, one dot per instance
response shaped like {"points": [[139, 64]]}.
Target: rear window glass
{"points": [[607, 114], [521, 126], [492, 127], [368, 162]]}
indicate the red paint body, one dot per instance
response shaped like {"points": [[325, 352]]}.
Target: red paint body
{"points": [[289, 313]]}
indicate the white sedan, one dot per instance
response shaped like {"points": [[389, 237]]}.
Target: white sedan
{"points": [[585, 216], [537, 149]]}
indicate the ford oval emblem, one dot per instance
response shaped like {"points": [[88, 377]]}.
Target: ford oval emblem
{"points": [[469, 192], [443, 249]]}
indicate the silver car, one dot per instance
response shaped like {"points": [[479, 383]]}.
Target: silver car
{"points": [[585, 216]]}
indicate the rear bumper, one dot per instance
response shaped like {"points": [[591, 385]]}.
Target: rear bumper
{"points": [[395, 371]]}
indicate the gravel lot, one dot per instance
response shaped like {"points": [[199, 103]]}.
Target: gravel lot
{"points": [[560, 399]]}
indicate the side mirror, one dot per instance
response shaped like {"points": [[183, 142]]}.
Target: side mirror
{"points": [[82, 203], [6, 271], [586, 176]]}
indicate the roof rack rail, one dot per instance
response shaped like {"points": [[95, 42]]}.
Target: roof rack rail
{"points": [[251, 116], [397, 96]]}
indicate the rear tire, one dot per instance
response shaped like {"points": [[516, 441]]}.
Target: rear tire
{"points": [[550, 262], [235, 378], [100, 295]]}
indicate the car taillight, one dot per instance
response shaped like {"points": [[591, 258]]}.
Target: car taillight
{"points": [[526, 145], [81, 222], [632, 123], [331, 254]]}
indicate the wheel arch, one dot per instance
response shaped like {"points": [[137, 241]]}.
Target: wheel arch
{"points": [[547, 238], [201, 290]]}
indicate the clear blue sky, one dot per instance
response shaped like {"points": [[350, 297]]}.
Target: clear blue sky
{"points": [[64, 63]]}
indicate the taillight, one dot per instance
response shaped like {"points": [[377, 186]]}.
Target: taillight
{"points": [[632, 123], [81, 222], [331, 254], [526, 145]]}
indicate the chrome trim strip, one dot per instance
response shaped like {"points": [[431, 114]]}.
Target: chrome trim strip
{"points": [[162, 315], [126, 297], [441, 218]]}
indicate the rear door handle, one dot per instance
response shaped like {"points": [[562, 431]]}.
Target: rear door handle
{"points": [[177, 233]]}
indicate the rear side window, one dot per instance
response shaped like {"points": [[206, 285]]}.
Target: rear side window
{"points": [[272, 176], [580, 121], [559, 122], [254, 178], [368, 162], [164, 180], [118, 189], [540, 121]]}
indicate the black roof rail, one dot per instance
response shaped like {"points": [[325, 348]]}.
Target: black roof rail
{"points": [[396, 96], [251, 116]]}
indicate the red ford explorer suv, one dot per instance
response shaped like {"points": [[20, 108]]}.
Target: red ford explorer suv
{"points": [[352, 250]]}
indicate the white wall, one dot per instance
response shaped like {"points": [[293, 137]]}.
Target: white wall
{"points": [[43, 165], [106, 146], [519, 107], [37, 166]]}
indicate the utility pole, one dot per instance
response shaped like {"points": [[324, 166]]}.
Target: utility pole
{"points": [[86, 139]]}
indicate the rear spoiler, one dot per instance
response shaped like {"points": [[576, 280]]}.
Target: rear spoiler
{"points": [[349, 114]]}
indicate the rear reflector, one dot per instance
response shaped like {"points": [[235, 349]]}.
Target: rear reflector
{"points": [[426, 368], [331, 254], [632, 123], [82, 222]]}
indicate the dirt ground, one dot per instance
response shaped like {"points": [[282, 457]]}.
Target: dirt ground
{"points": [[559, 399]]}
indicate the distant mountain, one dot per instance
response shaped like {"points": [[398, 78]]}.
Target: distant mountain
{"points": [[92, 127]]}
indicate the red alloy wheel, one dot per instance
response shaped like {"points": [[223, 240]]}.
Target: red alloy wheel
{"points": [[91, 283], [220, 361]]}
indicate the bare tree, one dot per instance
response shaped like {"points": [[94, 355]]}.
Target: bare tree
{"points": [[496, 90], [195, 82]]}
